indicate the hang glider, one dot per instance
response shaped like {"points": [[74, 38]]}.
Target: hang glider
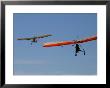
{"points": [[74, 42], [35, 38], [53, 44]]}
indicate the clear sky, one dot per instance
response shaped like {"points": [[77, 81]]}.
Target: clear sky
{"points": [[37, 60]]}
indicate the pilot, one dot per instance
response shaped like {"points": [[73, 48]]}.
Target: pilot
{"points": [[77, 49]]}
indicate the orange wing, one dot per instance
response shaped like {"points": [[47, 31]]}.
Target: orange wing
{"points": [[52, 44], [87, 39]]}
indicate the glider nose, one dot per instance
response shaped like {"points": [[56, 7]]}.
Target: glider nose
{"points": [[44, 45]]}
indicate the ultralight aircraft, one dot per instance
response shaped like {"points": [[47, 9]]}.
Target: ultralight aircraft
{"points": [[35, 38]]}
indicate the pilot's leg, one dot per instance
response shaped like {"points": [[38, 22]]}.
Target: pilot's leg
{"points": [[76, 53], [83, 51]]}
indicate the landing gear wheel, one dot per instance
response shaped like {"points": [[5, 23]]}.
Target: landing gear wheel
{"points": [[75, 54], [31, 43]]}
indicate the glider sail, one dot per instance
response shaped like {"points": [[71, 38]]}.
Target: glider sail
{"points": [[52, 44]]}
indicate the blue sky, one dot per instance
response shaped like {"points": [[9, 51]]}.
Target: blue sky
{"points": [[37, 60]]}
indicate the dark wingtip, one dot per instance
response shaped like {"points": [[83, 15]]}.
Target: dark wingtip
{"points": [[18, 39]]}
